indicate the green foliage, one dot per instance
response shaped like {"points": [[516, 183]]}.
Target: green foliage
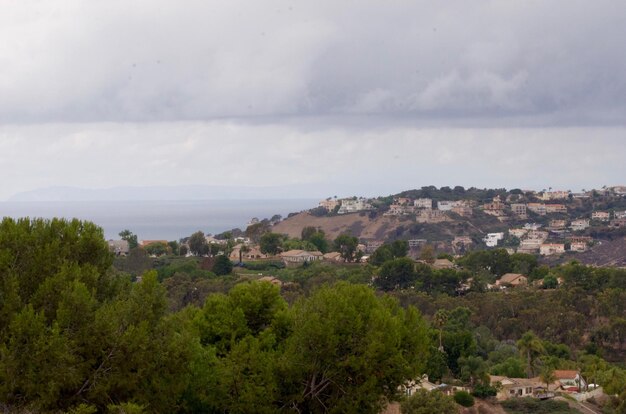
{"points": [[222, 266], [534, 406], [157, 249], [270, 243], [386, 252], [347, 245], [428, 402], [396, 274], [483, 390], [530, 348], [130, 238], [464, 398], [198, 245]]}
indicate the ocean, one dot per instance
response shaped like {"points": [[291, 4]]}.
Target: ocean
{"points": [[160, 220]]}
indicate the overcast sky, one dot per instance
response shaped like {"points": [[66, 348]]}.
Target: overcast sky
{"points": [[353, 96]]}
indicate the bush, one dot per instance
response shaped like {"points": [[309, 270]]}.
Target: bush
{"points": [[463, 398], [533, 406], [484, 391]]}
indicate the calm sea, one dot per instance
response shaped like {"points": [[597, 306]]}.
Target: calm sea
{"points": [[168, 220]]}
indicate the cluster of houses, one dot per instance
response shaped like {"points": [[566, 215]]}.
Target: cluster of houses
{"points": [[566, 382]]}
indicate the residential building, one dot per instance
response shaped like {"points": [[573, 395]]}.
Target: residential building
{"points": [[519, 210], [247, 253], [554, 195], [600, 215], [462, 241], [512, 279], [519, 233], [579, 224], [463, 210], [445, 205], [532, 226], [119, 247], [578, 246], [495, 205], [399, 210], [491, 240], [538, 208], [329, 204], [403, 201], [414, 243], [583, 239], [558, 224], [556, 208], [425, 203], [620, 214], [300, 256], [333, 257], [549, 249], [371, 246], [570, 380], [443, 264], [353, 205], [618, 222], [146, 243], [519, 387]]}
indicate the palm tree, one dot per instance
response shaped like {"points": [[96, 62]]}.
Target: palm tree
{"points": [[439, 321], [530, 347]]}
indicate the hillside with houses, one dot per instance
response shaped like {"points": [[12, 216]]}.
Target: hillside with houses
{"points": [[552, 224]]}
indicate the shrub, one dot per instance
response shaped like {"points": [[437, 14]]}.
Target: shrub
{"points": [[463, 398]]}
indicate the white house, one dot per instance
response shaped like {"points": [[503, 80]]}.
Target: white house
{"points": [[491, 240], [426, 203], [548, 249], [445, 205], [353, 206], [580, 224]]}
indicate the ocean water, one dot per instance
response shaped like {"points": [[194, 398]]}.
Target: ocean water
{"points": [[161, 220]]}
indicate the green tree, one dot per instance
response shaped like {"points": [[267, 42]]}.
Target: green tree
{"points": [[349, 351], [130, 238], [222, 266], [428, 402], [198, 245], [174, 247], [396, 274], [347, 245], [547, 376], [157, 248], [530, 348], [270, 243]]}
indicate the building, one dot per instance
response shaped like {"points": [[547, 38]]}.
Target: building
{"points": [[119, 247], [600, 215], [570, 380], [549, 249], [579, 224], [329, 204], [445, 205], [578, 246], [618, 222], [415, 243], [333, 257], [247, 253], [403, 201], [463, 210], [558, 224], [554, 195], [519, 233], [443, 264], [491, 240], [556, 208], [146, 243], [371, 246], [300, 256], [519, 210], [353, 205], [462, 241], [495, 205], [620, 214], [537, 208], [425, 203], [512, 279], [519, 387]]}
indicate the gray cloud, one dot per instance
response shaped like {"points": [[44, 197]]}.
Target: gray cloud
{"points": [[531, 63]]}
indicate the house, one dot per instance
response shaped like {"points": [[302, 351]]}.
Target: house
{"points": [[445, 205], [399, 210], [549, 249], [329, 204], [333, 257], [248, 253], [119, 247], [513, 279], [425, 203], [300, 256], [620, 214], [578, 246], [519, 210], [442, 264], [537, 208], [146, 243], [371, 246], [423, 383], [415, 243], [600, 215], [462, 241], [618, 222], [495, 205], [554, 195], [557, 224], [491, 240], [519, 233], [579, 225], [403, 201], [556, 208], [532, 226], [463, 210], [570, 380], [350, 205], [519, 387], [529, 246]]}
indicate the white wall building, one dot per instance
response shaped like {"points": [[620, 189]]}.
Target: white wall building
{"points": [[491, 240]]}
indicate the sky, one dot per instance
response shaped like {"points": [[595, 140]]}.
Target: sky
{"points": [[352, 97]]}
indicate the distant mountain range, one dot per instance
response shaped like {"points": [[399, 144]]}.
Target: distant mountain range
{"points": [[174, 193]]}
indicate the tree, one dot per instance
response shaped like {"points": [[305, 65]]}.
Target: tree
{"points": [[547, 376], [428, 402], [346, 245], [174, 247], [270, 243], [307, 232], [350, 350], [530, 348], [396, 274], [222, 266], [130, 238], [439, 321], [156, 249], [198, 245]]}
